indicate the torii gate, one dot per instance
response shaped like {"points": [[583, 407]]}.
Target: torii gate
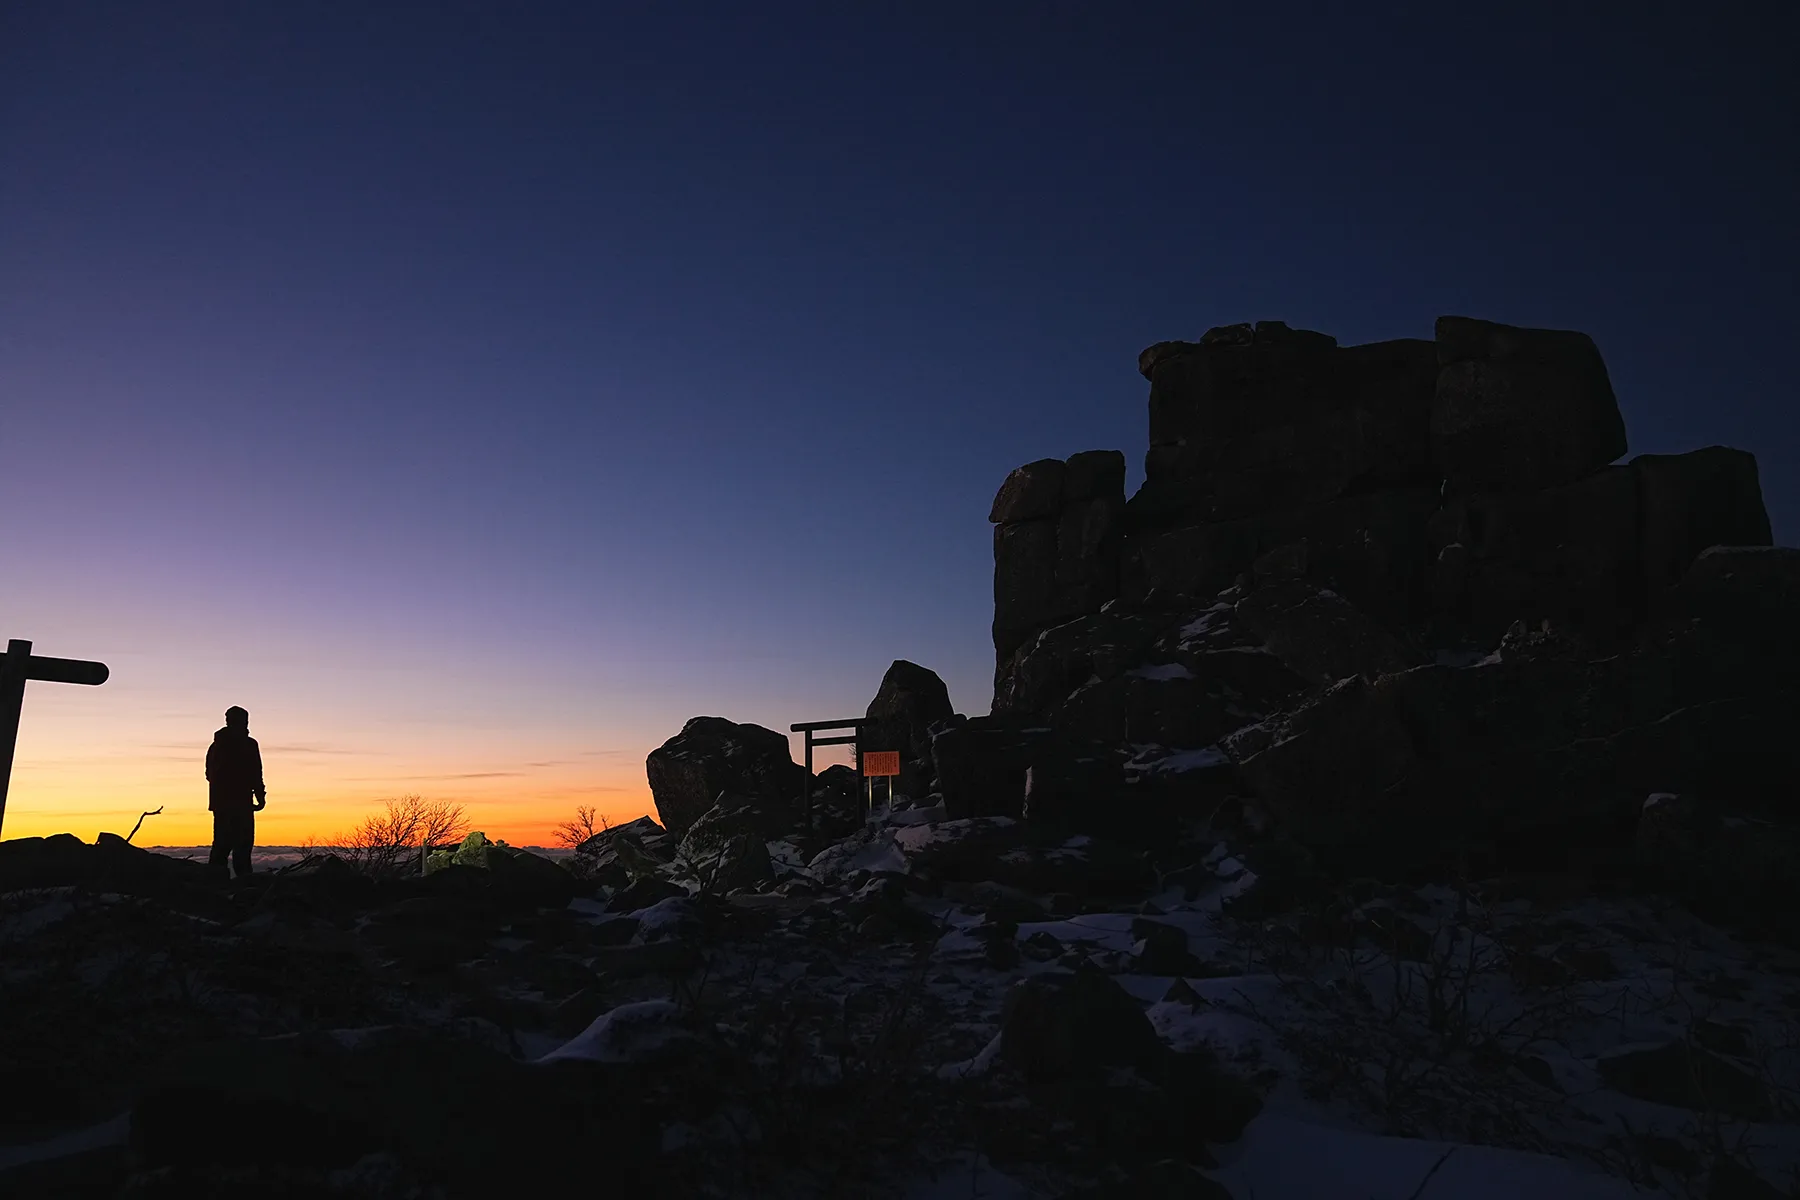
{"points": [[16, 666]]}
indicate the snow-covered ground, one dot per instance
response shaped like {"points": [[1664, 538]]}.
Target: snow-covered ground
{"points": [[1507, 1039]]}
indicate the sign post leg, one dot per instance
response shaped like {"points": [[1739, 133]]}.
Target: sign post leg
{"points": [[806, 788], [13, 668]]}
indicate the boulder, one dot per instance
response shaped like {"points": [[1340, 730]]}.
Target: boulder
{"points": [[1520, 409], [1369, 547], [1062, 562], [1690, 502], [1032, 491], [1569, 553], [725, 849], [615, 856], [909, 702], [712, 756], [1093, 475], [1517, 756], [1089, 869], [1729, 622], [839, 796], [1025, 595], [1332, 770], [530, 880], [1163, 703], [1214, 670], [1728, 868], [1317, 634], [981, 763], [644, 893], [1683, 1075], [1044, 671], [963, 849], [1241, 428], [110, 863], [1073, 1025]]}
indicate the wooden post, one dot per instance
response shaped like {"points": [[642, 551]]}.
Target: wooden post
{"points": [[13, 673], [16, 666], [806, 788]]}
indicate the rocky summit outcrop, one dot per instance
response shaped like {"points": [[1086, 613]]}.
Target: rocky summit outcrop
{"points": [[1402, 595], [1450, 486], [1057, 532], [911, 703], [711, 757]]}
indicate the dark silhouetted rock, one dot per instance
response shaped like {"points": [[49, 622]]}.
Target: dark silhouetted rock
{"points": [[981, 764], [1093, 475], [643, 893], [1088, 868], [1025, 595], [1686, 1076], [1519, 409], [110, 862], [712, 756], [909, 702], [1074, 1025], [964, 849], [1318, 635], [1032, 491], [1568, 553], [1728, 868], [1242, 428], [614, 857], [1062, 562], [523, 878], [725, 847], [1160, 949], [1060, 659], [1691, 502], [1370, 547]]}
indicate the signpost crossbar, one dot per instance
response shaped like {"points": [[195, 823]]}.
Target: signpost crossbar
{"points": [[17, 665]]}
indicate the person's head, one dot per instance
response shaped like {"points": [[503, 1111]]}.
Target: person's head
{"points": [[237, 718]]}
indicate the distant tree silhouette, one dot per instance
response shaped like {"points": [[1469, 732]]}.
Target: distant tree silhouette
{"points": [[573, 833], [393, 841]]}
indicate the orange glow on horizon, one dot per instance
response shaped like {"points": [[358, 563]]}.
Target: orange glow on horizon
{"points": [[301, 811], [60, 784]]}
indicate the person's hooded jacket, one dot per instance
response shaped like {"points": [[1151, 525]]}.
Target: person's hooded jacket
{"points": [[233, 770]]}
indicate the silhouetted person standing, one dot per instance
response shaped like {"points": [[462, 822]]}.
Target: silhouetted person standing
{"points": [[235, 784]]}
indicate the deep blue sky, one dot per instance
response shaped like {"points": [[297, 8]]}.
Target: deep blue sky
{"points": [[647, 360]]}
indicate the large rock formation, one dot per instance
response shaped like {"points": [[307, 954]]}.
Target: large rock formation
{"points": [[1057, 530], [1519, 409], [1250, 420], [1445, 488], [712, 756], [1323, 530]]}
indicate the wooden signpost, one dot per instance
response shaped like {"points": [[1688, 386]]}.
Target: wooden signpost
{"points": [[879, 764], [16, 666]]}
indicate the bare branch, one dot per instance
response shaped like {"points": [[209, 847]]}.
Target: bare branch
{"points": [[140, 822], [585, 825]]}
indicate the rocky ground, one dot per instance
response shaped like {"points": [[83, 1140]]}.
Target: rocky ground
{"points": [[883, 1019]]}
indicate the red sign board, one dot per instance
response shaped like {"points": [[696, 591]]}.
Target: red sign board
{"points": [[881, 762]]}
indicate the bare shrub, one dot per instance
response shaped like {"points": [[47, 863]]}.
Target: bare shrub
{"points": [[1405, 1019], [394, 841], [587, 823]]}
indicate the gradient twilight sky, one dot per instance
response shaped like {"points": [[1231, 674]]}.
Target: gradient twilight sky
{"points": [[475, 391]]}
